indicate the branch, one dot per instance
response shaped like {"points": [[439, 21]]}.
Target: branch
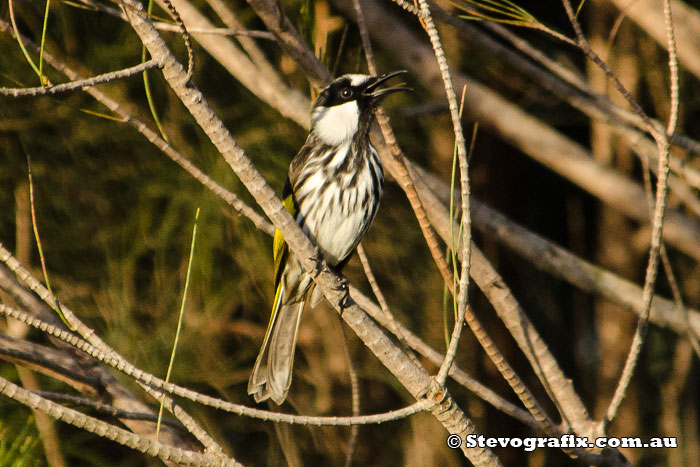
{"points": [[168, 27], [542, 361], [106, 430], [657, 219], [73, 85], [482, 391], [269, 87], [58, 364], [104, 409]]}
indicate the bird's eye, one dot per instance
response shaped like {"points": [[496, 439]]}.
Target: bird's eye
{"points": [[346, 93]]}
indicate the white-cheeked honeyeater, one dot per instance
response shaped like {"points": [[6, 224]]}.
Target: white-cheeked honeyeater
{"points": [[333, 190]]}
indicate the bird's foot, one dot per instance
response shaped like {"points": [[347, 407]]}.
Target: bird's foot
{"points": [[317, 258], [341, 285]]}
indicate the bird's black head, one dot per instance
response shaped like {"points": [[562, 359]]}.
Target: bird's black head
{"points": [[347, 103]]}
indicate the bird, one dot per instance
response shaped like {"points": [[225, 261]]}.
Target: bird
{"points": [[333, 188]]}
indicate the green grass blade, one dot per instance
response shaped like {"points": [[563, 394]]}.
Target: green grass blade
{"points": [[451, 249], [57, 306], [147, 85], [502, 11], [101, 115], [21, 44], [43, 41], [179, 321]]}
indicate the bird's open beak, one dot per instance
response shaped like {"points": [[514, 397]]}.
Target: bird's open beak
{"points": [[375, 94]]}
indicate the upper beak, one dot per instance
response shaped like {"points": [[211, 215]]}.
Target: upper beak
{"points": [[377, 94]]}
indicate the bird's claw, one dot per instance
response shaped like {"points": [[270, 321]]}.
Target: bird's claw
{"points": [[317, 258], [341, 285]]}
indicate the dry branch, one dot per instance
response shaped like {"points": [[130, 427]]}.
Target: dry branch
{"points": [[73, 85]]}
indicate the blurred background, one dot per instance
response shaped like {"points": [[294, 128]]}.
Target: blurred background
{"points": [[115, 218]]}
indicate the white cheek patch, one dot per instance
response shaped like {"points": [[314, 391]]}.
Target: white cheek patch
{"points": [[336, 124]]}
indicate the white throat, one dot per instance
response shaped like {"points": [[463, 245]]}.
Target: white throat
{"points": [[337, 124]]}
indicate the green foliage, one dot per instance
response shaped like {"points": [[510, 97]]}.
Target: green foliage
{"points": [[307, 20], [502, 11], [20, 445]]}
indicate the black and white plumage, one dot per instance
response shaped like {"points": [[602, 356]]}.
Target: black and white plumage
{"points": [[333, 190]]}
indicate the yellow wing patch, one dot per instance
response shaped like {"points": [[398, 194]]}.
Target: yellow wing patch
{"points": [[279, 246]]}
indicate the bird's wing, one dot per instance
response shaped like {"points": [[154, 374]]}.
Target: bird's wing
{"points": [[280, 250]]}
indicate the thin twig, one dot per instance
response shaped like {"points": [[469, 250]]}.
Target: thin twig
{"points": [[354, 391], [665, 260], [673, 69], [672, 122], [43, 39], [80, 84], [55, 304], [42, 79], [590, 53], [404, 179], [393, 324], [106, 409], [149, 95], [185, 37]]}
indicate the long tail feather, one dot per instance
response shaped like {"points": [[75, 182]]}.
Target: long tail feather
{"points": [[258, 378], [282, 346], [272, 374]]}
